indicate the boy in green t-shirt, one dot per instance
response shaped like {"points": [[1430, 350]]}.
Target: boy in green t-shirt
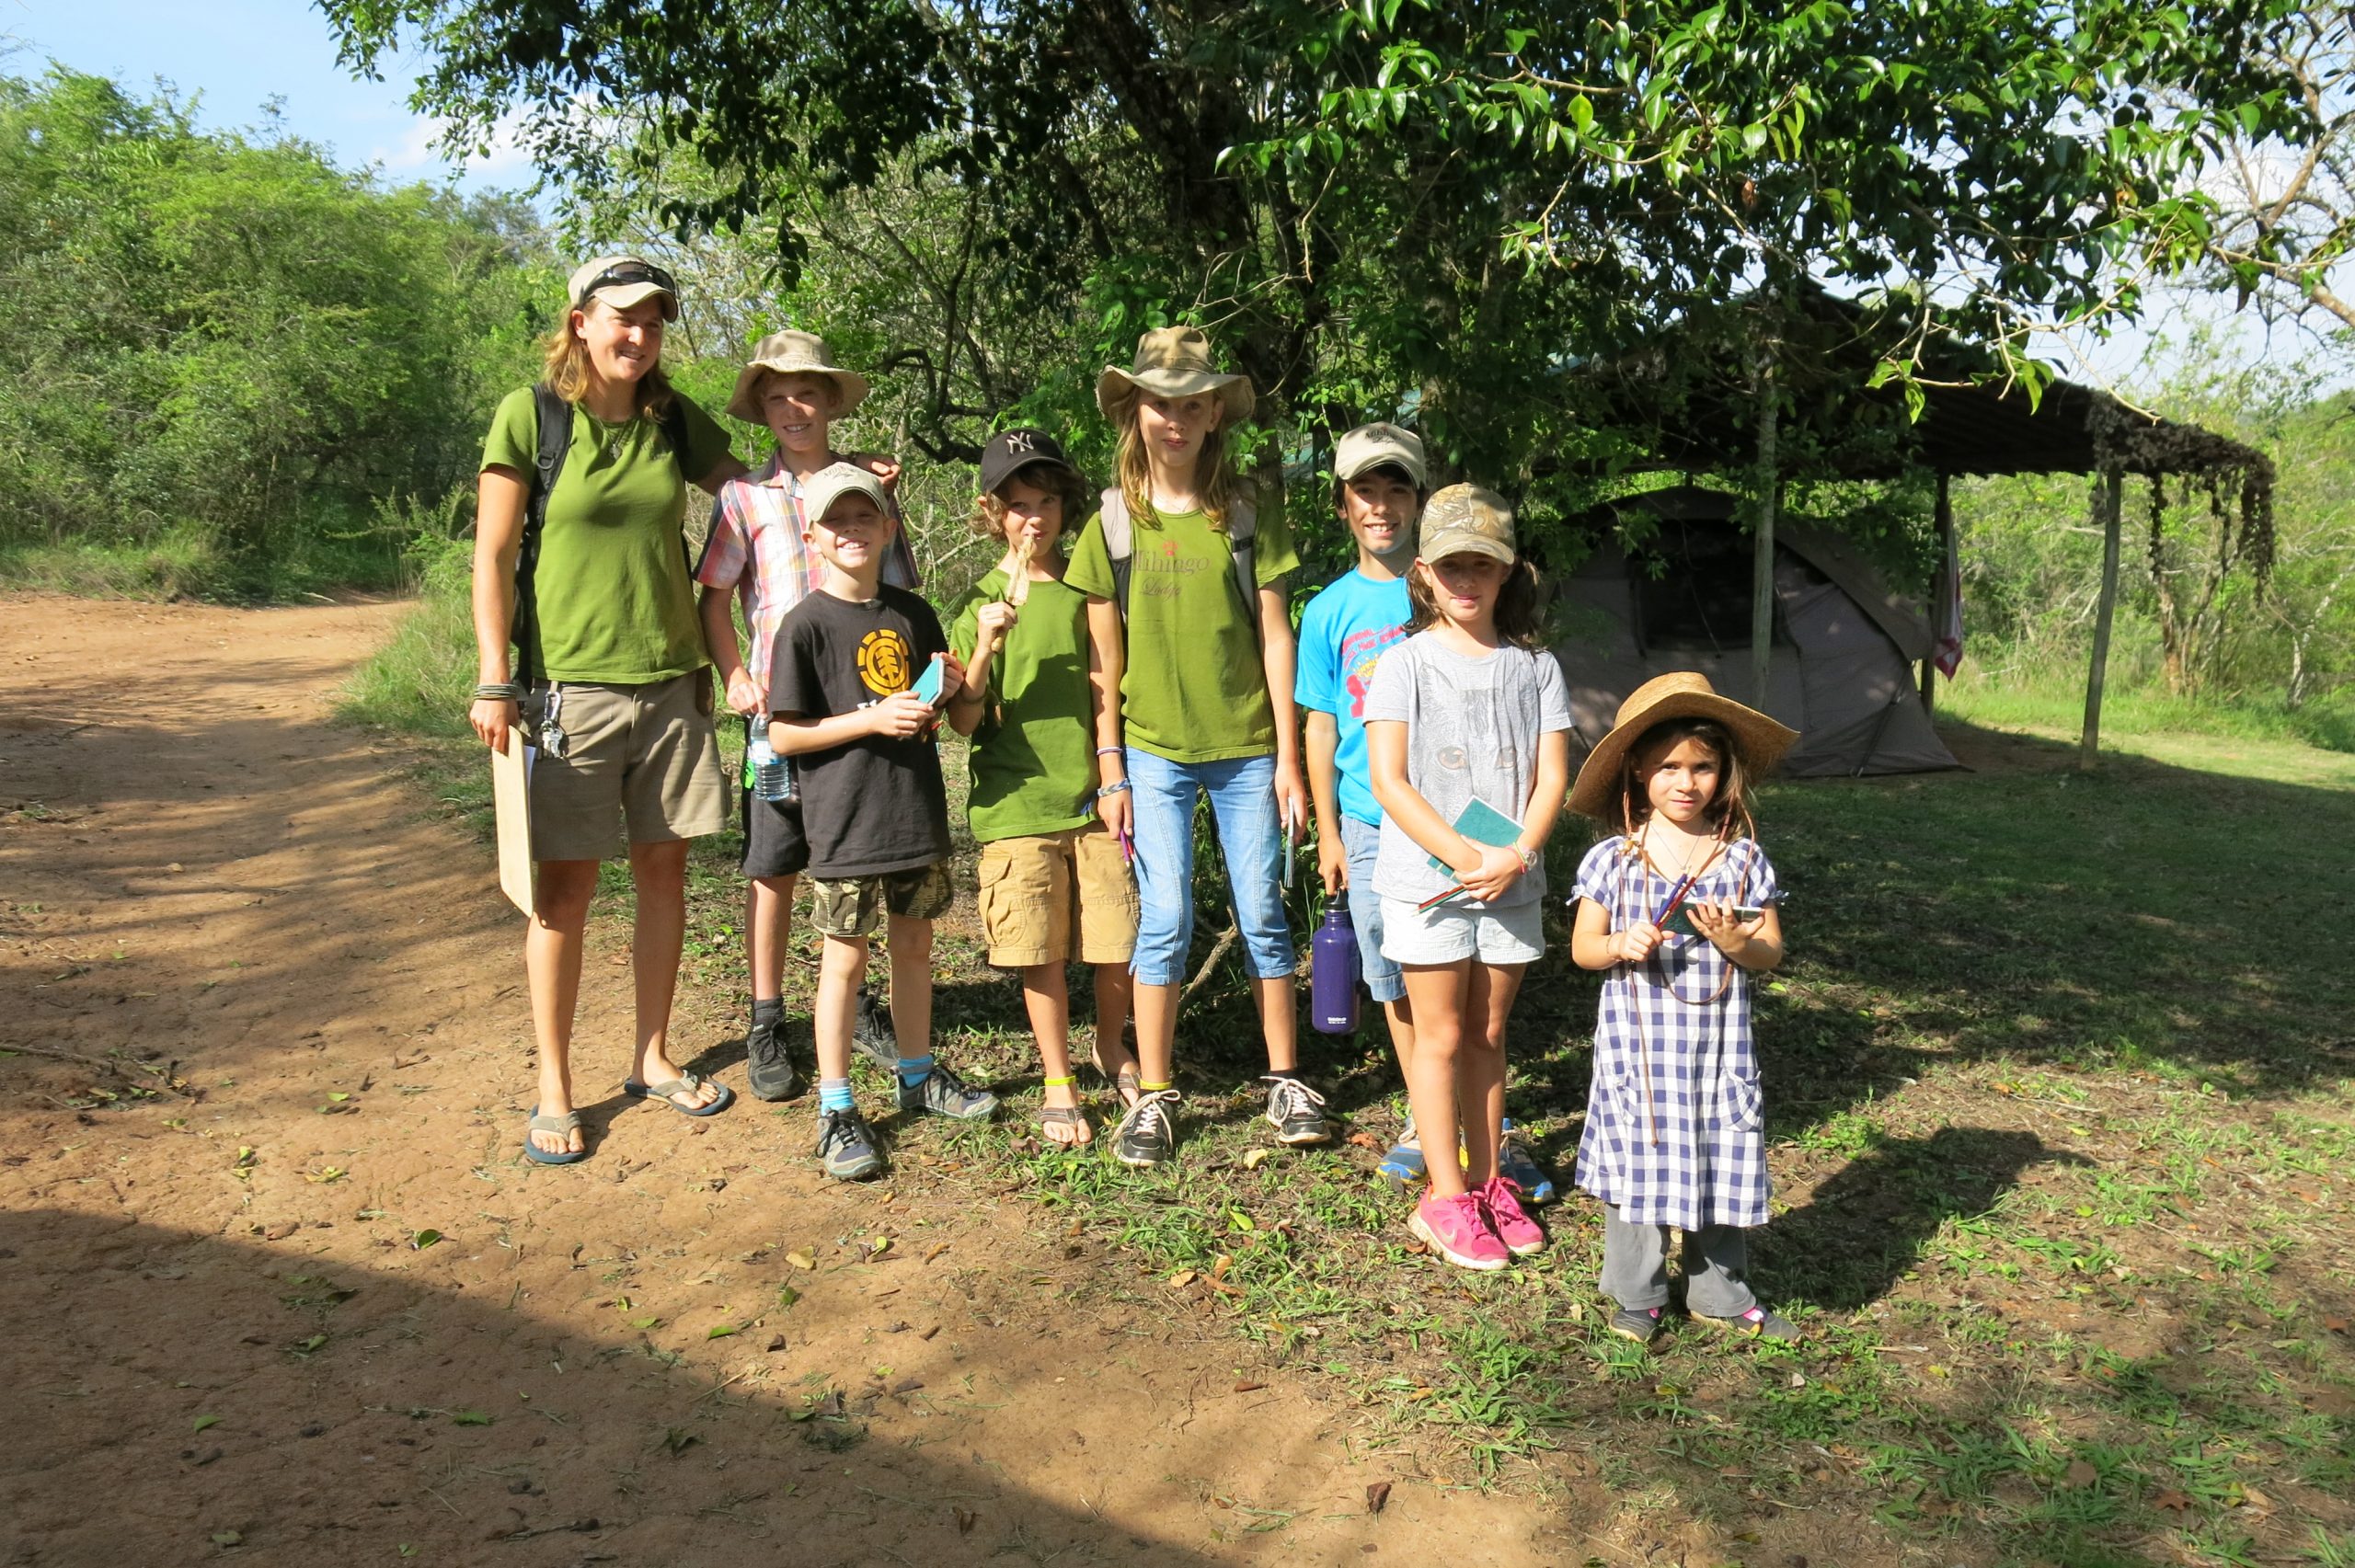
{"points": [[1055, 884]]}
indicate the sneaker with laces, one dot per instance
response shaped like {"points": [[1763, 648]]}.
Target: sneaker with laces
{"points": [[1757, 1324], [1148, 1133], [943, 1093], [1515, 1165], [871, 1030], [1457, 1230], [1295, 1111], [846, 1147], [1639, 1323], [768, 1066], [1512, 1223]]}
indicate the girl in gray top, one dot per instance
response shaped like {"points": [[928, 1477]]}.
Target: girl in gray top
{"points": [[1467, 737]]}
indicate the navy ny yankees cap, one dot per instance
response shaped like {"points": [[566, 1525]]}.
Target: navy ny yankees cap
{"points": [[1010, 451]]}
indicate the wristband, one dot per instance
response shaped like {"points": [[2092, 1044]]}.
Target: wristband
{"points": [[1112, 789], [1529, 858], [499, 692], [1111, 750]]}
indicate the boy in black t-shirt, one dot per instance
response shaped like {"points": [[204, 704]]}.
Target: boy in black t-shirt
{"points": [[844, 692]]}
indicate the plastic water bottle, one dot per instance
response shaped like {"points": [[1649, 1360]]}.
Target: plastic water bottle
{"points": [[1332, 972], [770, 774]]}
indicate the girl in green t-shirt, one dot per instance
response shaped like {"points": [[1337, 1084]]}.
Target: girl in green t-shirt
{"points": [[1205, 684], [620, 699]]}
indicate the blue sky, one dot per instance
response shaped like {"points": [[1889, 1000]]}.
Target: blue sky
{"points": [[238, 54]]}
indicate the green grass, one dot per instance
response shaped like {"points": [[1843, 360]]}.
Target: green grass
{"points": [[2061, 1107], [2055, 704]]}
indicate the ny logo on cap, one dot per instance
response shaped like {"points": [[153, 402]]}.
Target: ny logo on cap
{"points": [[1020, 440]]}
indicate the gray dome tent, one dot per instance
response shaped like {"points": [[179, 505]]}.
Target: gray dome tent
{"points": [[1840, 670]]}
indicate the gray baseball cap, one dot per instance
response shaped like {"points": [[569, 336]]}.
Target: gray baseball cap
{"points": [[1370, 446]]}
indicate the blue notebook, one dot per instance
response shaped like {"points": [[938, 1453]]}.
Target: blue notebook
{"points": [[1483, 824], [928, 685]]}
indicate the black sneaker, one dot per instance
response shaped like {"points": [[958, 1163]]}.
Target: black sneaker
{"points": [[1148, 1134], [1640, 1324], [768, 1065], [871, 1030], [845, 1146], [1295, 1111]]}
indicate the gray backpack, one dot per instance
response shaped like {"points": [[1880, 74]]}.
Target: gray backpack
{"points": [[1242, 524]]}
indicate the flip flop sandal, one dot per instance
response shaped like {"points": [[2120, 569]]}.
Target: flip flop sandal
{"points": [[567, 1124], [685, 1083], [1126, 1083], [1073, 1117]]}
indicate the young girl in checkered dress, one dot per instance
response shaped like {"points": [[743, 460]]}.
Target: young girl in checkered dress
{"points": [[1677, 909]]}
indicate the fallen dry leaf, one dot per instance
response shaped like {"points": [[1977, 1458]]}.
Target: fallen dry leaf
{"points": [[799, 1259], [1248, 1386], [1364, 1140], [966, 1521], [1255, 1158], [1377, 1497], [1182, 1278], [2079, 1473], [2170, 1499]]}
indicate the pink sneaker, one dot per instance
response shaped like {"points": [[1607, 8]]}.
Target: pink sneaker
{"points": [[1511, 1222], [1457, 1230]]}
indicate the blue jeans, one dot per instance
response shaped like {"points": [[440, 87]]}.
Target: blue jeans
{"points": [[1243, 806], [1360, 841]]}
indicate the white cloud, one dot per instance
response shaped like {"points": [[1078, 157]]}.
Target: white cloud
{"points": [[418, 152]]}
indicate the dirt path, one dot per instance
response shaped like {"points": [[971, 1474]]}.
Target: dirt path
{"points": [[323, 1311]]}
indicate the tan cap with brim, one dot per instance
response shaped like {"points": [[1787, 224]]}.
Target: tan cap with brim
{"points": [[1464, 519], [1173, 362], [1370, 446], [639, 279], [794, 353], [1682, 693], [831, 483]]}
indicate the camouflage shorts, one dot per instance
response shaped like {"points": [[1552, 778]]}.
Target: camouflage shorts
{"points": [[856, 906]]}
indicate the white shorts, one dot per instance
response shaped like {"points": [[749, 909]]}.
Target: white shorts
{"points": [[1460, 929]]}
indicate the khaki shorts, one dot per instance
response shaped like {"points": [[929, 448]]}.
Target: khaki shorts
{"points": [[641, 765], [1038, 893], [856, 907]]}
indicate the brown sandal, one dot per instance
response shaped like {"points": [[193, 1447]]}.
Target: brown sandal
{"points": [[1125, 1083], [1072, 1118]]}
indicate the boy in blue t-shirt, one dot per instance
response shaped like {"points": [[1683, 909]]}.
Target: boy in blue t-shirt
{"points": [[1380, 483]]}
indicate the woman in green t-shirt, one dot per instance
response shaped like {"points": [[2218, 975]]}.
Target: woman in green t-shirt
{"points": [[1205, 673], [611, 688]]}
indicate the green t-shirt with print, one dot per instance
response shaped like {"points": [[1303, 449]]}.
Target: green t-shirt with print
{"points": [[1034, 751], [614, 599], [1194, 688]]}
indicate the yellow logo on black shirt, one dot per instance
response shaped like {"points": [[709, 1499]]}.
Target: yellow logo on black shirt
{"points": [[883, 660]]}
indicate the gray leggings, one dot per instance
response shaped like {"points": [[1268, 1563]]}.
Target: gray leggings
{"points": [[1635, 1267]]}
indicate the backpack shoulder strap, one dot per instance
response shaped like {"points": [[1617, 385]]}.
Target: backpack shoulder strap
{"points": [[1242, 531], [553, 417], [1120, 543]]}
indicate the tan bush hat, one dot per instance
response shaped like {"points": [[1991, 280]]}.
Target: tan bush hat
{"points": [[1465, 519], [622, 281], [1683, 694], [831, 483], [794, 353], [1370, 446], [1173, 362]]}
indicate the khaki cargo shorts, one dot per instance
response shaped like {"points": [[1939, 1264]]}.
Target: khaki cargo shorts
{"points": [[1041, 892], [622, 765], [857, 906]]}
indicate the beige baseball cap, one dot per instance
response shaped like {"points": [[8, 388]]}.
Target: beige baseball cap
{"points": [[831, 483], [1176, 363], [622, 281], [795, 353], [1370, 446], [1466, 520]]}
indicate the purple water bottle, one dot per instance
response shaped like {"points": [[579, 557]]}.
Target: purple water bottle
{"points": [[1332, 972]]}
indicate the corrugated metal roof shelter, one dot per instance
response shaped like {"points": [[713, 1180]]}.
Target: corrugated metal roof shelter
{"points": [[1694, 399]]}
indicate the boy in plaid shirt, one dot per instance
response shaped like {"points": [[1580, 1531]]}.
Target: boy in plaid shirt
{"points": [[756, 552]]}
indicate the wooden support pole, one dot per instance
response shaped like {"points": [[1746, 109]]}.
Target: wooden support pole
{"points": [[1761, 570], [1940, 590], [2109, 497]]}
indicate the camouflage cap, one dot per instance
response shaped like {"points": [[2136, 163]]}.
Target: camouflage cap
{"points": [[1464, 519]]}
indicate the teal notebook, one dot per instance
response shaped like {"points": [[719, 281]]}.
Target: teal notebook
{"points": [[1483, 824]]}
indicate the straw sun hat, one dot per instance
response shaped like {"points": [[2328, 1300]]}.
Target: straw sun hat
{"points": [[1173, 362], [1685, 694], [794, 353]]}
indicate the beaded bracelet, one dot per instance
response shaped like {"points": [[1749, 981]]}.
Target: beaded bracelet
{"points": [[499, 692]]}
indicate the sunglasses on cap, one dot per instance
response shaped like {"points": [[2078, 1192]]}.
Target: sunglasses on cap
{"points": [[630, 273]]}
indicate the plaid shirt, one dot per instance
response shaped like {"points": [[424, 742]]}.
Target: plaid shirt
{"points": [[756, 548], [1658, 1039]]}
